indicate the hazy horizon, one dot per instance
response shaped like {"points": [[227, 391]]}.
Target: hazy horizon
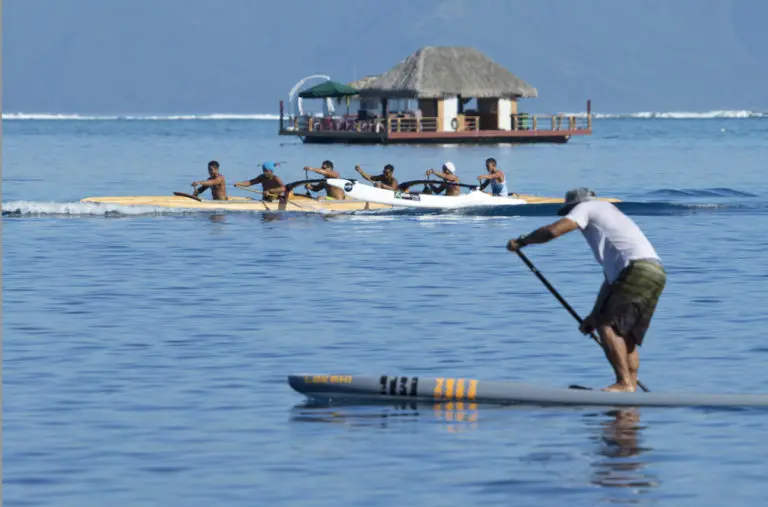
{"points": [[91, 57]]}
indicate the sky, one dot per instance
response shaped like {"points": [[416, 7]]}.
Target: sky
{"points": [[243, 56]]}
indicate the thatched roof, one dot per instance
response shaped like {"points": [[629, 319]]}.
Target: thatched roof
{"points": [[441, 71], [363, 82]]}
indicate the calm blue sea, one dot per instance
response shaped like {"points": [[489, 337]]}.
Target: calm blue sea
{"points": [[145, 353]]}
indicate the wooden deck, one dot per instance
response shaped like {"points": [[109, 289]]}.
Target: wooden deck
{"points": [[400, 129]]}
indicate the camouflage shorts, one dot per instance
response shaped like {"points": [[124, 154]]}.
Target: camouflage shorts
{"points": [[631, 300]]}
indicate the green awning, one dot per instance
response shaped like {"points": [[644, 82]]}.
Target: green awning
{"points": [[328, 89]]}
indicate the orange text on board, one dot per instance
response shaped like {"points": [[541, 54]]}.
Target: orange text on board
{"points": [[455, 389], [328, 379]]}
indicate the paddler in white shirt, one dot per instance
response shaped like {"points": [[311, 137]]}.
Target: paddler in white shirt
{"points": [[448, 174], [634, 278]]}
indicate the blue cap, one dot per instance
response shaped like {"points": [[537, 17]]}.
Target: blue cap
{"points": [[268, 165]]}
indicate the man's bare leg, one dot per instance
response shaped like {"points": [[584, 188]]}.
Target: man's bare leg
{"points": [[616, 352]]}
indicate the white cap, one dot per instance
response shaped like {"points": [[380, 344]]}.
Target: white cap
{"points": [[450, 167]]}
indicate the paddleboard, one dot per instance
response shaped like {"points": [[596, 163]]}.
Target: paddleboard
{"points": [[446, 389]]}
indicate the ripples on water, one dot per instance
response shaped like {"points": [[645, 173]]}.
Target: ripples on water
{"points": [[145, 355]]}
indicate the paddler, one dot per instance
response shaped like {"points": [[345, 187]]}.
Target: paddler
{"points": [[215, 182], [326, 170], [495, 178], [385, 180], [448, 174], [271, 185], [634, 277]]}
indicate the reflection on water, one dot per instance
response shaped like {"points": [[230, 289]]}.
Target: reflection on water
{"points": [[457, 416], [619, 462]]}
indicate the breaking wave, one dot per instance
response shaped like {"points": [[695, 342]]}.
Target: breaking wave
{"points": [[677, 115], [174, 117]]}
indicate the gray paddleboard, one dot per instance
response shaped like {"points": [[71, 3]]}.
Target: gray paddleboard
{"points": [[443, 389]]}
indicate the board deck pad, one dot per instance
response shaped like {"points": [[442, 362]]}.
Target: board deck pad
{"points": [[449, 389]]}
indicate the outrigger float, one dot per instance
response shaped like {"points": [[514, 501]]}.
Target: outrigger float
{"points": [[404, 198]]}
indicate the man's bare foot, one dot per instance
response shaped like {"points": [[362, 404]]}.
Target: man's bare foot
{"points": [[619, 388]]}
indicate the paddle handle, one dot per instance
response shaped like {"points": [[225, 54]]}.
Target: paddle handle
{"points": [[564, 302]]}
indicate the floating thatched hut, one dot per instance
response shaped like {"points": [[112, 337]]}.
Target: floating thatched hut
{"points": [[425, 98]]}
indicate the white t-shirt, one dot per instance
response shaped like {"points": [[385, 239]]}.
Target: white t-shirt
{"points": [[614, 238]]}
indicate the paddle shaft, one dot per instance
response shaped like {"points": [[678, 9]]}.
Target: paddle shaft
{"points": [[564, 302], [260, 192]]}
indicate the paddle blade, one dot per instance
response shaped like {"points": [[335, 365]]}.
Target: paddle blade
{"points": [[182, 194]]}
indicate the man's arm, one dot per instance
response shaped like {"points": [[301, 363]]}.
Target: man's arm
{"points": [[498, 175], [206, 184], [446, 177], [364, 174], [437, 189], [543, 234], [328, 173], [387, 187], [252, 181]]}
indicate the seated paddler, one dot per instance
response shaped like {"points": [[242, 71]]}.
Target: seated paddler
{"points": [[327, 171], [448, 175], [385, 180], [271, 185], [215, 182], [495, 178]]}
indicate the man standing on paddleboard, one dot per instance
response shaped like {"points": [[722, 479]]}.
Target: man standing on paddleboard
{"points": [[215, 182], [271, 185], [634, 277]]}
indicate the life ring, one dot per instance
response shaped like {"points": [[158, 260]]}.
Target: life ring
{"points": [[455, 124]]}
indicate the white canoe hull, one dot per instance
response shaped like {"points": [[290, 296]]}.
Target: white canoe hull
{"points": [[364, 192]]}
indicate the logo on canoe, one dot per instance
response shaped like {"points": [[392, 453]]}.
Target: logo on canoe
{"points": [[348, 186], [399, 194]]}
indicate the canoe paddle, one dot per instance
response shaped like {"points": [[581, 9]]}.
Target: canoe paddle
{"points": [[182, 194], [565, 303], [283, 201]]}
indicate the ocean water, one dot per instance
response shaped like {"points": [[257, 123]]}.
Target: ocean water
{"points": [[146, 351]]}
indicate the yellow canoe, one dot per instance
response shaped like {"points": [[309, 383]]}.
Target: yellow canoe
{"points": [[296, 203]]}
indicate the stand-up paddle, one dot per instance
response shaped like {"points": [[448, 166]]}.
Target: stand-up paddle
{"points": [[564, 303]]}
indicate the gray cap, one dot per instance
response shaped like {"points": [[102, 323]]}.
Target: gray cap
{"points": [[574, 197]]}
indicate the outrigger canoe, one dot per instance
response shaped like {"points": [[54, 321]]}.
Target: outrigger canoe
{"points": [[184, 201], [388, 388], [475, 197]]}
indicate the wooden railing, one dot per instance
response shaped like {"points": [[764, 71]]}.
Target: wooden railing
{"points": [[551, 122], [519, 122]]}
